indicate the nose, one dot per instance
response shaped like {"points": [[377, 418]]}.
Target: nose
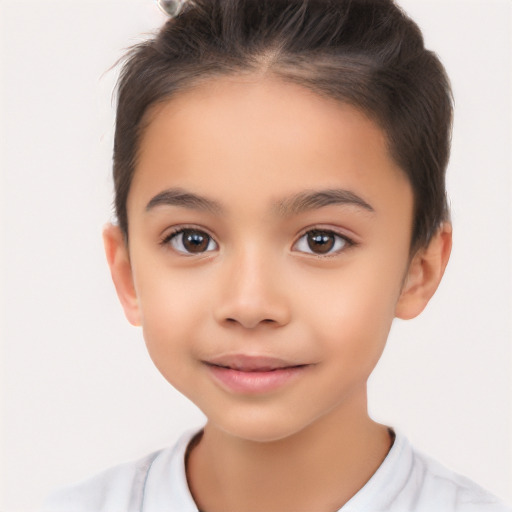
{"points": [[252, 292]]}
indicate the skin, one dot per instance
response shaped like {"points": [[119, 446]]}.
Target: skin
{"points": [[256, 287]]}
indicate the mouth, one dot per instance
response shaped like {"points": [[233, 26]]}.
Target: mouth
{"points": [[253, 375], [252, 364]]}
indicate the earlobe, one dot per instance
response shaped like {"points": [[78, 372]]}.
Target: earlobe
{"points": [[424, 274], [118, 260]]}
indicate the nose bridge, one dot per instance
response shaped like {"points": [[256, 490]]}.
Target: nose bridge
{"points": [[251, 291]]}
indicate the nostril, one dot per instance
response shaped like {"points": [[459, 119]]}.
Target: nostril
{"points": [[249, 311], [264, 321]]}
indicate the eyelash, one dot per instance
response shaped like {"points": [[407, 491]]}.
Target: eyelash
{"points": [[169, 238], [346, 242]]}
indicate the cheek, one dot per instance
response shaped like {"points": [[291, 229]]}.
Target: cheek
{"points": [[172, 309], [352, 312], [170, 326]]}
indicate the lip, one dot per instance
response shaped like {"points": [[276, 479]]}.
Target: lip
{"points": [[253, 374]]}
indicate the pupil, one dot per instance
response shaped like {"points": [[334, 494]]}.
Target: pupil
{"points": [[195, 241], [320, 241]]}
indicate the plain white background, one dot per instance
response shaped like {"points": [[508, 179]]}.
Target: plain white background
{"points": [[79, 392]]}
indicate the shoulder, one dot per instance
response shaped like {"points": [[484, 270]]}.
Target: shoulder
{"points": [[154, 482], [409, 481], [440, 486], [112, 490]]}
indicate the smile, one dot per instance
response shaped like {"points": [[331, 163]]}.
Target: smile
{"points": [[253, 375]]}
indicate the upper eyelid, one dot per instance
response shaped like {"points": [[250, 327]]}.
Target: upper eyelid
{"points": [[168, 232], [174, 230], [348, 239], [167, 241], [327, 229]]}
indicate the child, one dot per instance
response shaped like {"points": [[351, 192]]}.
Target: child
{"points": [[279, 173]]}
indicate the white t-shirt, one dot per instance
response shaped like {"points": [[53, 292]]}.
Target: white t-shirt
{"points": [[405, 482]]}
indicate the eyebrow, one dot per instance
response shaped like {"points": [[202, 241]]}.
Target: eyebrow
{"points": [[180, 197], [311, 200], [293, 205]]}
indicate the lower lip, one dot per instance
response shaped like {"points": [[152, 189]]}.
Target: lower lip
{"points": [[255, 382]]}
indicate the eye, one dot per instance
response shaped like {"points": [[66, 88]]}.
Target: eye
{"points": [[322, 242], [191, 241]]}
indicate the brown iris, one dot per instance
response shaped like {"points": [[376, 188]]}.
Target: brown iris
{"points": [[195, 241], [321, 242]]}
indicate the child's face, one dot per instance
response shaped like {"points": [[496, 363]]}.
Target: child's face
{"points": [[272, 306]]}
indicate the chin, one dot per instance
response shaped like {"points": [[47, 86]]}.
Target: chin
{"points": [[257, 434], [258, 428]]}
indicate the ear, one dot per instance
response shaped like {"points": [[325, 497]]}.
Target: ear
{"points": [[120, 268], [424, 274]]}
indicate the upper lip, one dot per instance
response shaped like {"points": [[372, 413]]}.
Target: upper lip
{"points": [[247, 363]]}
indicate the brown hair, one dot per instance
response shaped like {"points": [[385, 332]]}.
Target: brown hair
{"points": [[366, 53]]}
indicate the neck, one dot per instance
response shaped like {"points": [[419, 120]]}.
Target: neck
{"points": [[318, 468]]}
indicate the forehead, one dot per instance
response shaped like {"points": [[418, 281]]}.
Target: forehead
{"points": [[242, 135]]}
